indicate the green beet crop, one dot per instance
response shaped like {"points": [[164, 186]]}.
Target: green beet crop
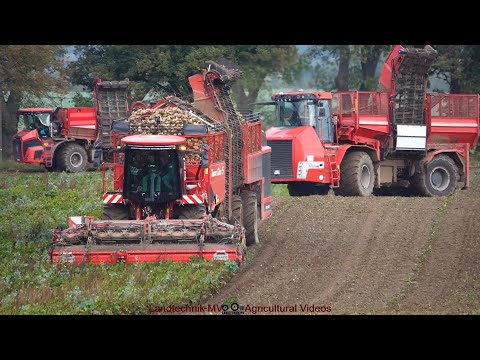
{"points": [[32, 205]]}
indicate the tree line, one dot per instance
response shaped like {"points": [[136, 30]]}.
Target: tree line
{"points": [[33, 71]]}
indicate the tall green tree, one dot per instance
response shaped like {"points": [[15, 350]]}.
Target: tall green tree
{"points": [[356, 64], [340, 55], [32, 70], [369, 57], [459, 66], [167, 67], [258, 62], [310, 73]]}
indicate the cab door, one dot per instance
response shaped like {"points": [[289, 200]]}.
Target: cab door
{"points": [[324, 125]]}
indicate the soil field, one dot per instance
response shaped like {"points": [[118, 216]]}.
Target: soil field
{"points": [[374, 255]]}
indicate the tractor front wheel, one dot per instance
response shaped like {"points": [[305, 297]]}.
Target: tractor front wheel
{"points": [[72, 158], [357, 175]]}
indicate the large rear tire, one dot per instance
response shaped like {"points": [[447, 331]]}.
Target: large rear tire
{"points": [[115, 212], [250, 217], [237, 210], [357, 175], [439, 177], [71, 158]]}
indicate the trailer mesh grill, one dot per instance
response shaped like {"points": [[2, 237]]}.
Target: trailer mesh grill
{"points": [[281, 164]]}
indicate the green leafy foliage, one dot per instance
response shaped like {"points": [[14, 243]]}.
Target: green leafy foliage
{"points": [[341, 67], [82, 100], [35, 203], [167, 67], [459, 67]]}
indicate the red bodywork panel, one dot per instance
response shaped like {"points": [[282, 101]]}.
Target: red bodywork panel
{"points": [[30, 144], [306, 146], [452, 119], [144, 253], [253, 152], [216, 179], [78, 123], [361, 116]]}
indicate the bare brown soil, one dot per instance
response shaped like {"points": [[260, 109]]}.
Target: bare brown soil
{"points": [[375, 255]]}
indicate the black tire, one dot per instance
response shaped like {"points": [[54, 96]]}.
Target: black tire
{"points": [[307, 189], [439, 177], [357, 175], [250, 218], [294, 189], [322, 189], [191, 212], [115, 212], [71, 158], [237, 210]]}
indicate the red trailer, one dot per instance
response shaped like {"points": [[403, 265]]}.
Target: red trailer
{"points": [[355, 141], [66, 139]]}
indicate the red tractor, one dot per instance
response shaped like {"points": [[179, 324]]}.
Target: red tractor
{"points": [[355, 141], [164, 206], [67, 138]]}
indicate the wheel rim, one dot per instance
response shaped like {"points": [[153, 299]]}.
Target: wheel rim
{"points": [[76, 159], [439, 178], [365, 177]]}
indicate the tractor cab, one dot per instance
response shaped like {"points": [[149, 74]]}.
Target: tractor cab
{"points": [[152, 169], [34, 131], [297, 109], [35, 119]]}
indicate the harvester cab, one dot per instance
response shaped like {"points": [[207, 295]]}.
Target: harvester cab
{"points": [[152, 171]]}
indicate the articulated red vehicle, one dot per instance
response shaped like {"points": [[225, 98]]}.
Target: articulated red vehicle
{"points": [[165, 205], [66, 139], [353, 141]]}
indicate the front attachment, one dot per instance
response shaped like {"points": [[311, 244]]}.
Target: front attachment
{"points": [[148, 240]]}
